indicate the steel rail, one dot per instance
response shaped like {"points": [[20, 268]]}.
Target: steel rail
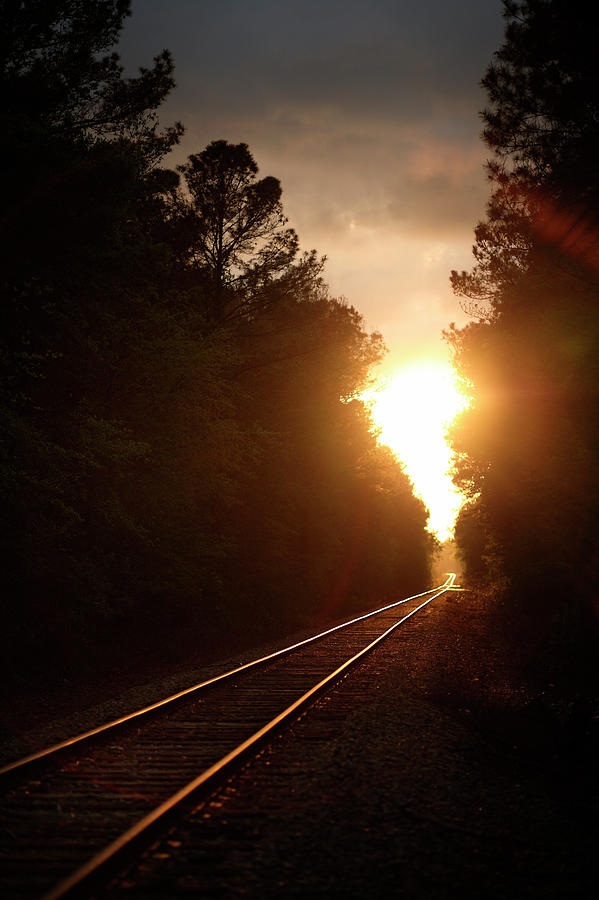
{"points": [[80, 878], [122, 720]]}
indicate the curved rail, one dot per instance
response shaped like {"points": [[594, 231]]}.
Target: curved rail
{"points": [[122, 720], [79, 880]]}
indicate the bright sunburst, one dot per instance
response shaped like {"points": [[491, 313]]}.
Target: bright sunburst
{"points": [[413, 408]]}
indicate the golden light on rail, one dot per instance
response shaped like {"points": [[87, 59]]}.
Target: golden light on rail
{"points": [[412, 408]]}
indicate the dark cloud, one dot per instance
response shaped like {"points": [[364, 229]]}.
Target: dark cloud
{"points": [[391, 58]]}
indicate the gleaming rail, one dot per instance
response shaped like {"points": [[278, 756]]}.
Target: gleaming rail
{"points": [[67, 817]]}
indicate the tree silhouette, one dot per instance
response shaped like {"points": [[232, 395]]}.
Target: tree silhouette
{"points": [[528, 447], [238, 238], [55, 71], [179, 445], [543, 90]]}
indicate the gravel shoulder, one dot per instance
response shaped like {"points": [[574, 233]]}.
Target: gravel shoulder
{"points": [[34, 716], [391, 786], [437, 767]]}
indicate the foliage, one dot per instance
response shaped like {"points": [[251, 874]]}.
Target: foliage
{"points": [[236, 228], [53, 73], [180, 447], [528, 447], [544, 104]]}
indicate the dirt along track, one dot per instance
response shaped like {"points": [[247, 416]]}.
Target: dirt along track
{"points": [[384, 790], [55, 819]]}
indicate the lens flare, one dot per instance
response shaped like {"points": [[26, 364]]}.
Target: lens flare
{"points": [[412, 408]]}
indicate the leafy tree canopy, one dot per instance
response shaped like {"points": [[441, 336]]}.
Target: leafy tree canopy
{"points": [[238, 239], [528, 447], [179, 443], [56, 71]]}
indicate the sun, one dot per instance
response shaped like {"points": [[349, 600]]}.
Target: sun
{"points": [[412, 408]]}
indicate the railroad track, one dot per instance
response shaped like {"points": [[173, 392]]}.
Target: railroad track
{"points": [[72, 812]]}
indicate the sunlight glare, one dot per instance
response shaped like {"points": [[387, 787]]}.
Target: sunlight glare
{"points": [[412, 408]]}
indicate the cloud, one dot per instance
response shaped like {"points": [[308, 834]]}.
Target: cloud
{"points": [[366, 112], [338, 175], [364, 59]]}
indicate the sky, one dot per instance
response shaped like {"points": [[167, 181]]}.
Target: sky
{"points": [[367, 112]]}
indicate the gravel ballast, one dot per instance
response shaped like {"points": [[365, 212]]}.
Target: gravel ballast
{"points": [[391, 787]]}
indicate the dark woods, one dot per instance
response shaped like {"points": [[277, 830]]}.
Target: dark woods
{"points": [[529, 446], [180, 446]]}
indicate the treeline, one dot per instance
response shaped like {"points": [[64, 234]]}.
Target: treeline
{"points": [[181, 443], [529, 445]]}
